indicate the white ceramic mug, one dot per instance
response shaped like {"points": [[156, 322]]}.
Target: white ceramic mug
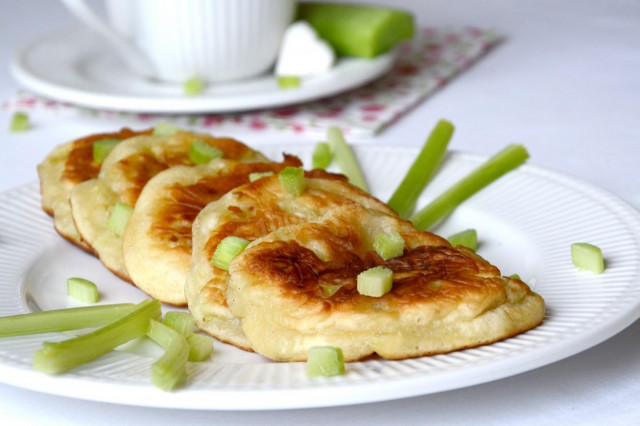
{"points": [[174, 40]]}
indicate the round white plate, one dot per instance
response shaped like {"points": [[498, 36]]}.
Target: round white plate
{"points": [[77, 66], [526, 222]]}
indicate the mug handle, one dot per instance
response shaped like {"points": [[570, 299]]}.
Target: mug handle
{"points": [[134, 59]]}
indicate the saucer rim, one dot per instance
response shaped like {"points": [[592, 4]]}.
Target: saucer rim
{"points": [[340, 79]]}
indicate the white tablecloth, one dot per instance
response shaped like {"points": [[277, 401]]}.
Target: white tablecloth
{"points": [[565, 82]]}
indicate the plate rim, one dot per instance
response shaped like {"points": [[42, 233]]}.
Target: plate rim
{"points": [[21, 70], [402, 387]]}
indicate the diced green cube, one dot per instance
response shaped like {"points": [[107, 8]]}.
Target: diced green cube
{"points": [[325, 361], [102, 148], [329, 290], [165, 129], [227, 250], [292, 180], [119, 217], [82, 290], [389, 245], [201, 152], [193, 86], [258, 175], [19, 122], [288, 81], [467, 238], [587, 257], [375, 282]]}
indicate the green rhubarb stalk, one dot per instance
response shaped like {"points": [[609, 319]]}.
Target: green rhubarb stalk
{"points": [[200, 347], [182, 322], [58, 357], [358, 30], [321, 158], [504, 161], [345, 159], [169, 370], [404, 199], [63, 319]]}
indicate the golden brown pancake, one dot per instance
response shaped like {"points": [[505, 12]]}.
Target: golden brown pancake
{"points": [[124, 173], [66, 166], [443, 298], [157, 239], [251, 211]]}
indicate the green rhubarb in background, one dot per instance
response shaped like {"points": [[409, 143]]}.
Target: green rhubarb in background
{"points": [[358, 30], [467, 238]]}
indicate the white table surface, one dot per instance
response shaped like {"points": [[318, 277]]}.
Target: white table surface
{"points": [[565, 82]]}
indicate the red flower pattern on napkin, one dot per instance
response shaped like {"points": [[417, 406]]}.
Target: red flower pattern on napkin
{"points": [[425, 64]]}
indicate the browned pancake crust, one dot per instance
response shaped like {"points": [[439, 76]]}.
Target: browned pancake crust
{"points": [[431, 273], [252, 225], [122, 177], [137, 169], [80, 165], [183, 203], [65, 167], [443, 298], [157, 245], [252, 211]]}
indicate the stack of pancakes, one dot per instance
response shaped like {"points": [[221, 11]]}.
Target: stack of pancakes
{"points": [[273, 298]]}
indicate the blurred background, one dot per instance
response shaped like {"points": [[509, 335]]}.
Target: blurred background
{"points": [[563, 81]]}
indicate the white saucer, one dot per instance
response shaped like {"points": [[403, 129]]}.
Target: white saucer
{"points": [[76, 66]]}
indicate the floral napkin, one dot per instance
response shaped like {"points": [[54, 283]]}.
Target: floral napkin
{"points": [[429, 61]]}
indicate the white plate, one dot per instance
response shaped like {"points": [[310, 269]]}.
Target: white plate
{"points": [[526, 222], [76, 66]]}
